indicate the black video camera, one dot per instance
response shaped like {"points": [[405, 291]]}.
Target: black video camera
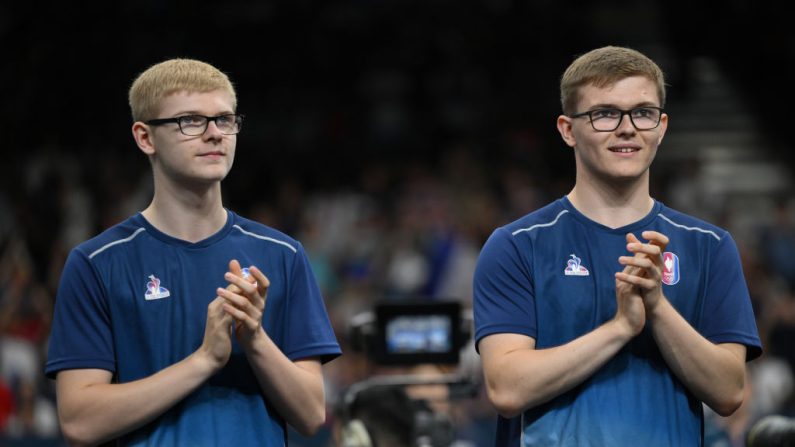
{"points": [[411, 333]]}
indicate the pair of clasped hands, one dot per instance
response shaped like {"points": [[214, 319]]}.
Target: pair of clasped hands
{"points": [[237, 310], [639, 285]]}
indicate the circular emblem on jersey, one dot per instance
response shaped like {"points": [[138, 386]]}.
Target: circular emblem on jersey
{"points": [[671, 272]]}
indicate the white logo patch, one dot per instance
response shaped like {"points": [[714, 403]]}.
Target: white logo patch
{"points": [[154, 291], [574, 267]]}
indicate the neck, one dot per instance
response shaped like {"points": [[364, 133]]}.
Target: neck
{"points": [[614, 204], [190, 214]]}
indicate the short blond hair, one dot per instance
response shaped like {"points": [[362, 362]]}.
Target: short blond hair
{"points": [[603, 67], [173, 75]]}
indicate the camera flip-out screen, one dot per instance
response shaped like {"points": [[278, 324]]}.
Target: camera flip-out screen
{"points": [[424, 332]]}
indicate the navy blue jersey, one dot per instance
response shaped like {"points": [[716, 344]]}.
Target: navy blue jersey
{"points": [[550, 276], [133, 301]]}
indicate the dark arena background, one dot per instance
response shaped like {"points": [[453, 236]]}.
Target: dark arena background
{"points": [[390, 137]]}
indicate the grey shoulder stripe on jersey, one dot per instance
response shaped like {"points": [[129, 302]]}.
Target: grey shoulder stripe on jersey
{"points": [[120, 241], [265, 238], [548, 224], [685, 227]]}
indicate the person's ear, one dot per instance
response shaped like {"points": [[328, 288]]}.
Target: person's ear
{"points": [[142, 134], [663, 127], [565, 129]]}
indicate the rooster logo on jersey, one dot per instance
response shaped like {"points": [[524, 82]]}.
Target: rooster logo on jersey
{"points": [[574, 267], [154, 291]]}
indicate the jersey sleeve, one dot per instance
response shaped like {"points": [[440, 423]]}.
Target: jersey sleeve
{"points": [[504, 298], [728, 314], [81, 335], [309, 331]]}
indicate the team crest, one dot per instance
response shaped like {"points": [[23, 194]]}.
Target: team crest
{"points": [[574, 267], [671, 272], [154, 291]]}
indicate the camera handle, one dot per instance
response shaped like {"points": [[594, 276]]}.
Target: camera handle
{"points": [[459, 384]]}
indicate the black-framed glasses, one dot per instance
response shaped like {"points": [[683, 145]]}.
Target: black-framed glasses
{"points": [[608, 119], [195, 125]]}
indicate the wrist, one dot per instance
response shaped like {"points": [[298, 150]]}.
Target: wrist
{"points": [[656, 307], [255, 341], [621, 329], [205, 362]]}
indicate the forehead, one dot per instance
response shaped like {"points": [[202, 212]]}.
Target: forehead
{"points": [[210, 103], [625, 93]]}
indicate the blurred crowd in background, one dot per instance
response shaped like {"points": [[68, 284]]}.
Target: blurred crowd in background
{"points": [[390, 140], [402, 232]]}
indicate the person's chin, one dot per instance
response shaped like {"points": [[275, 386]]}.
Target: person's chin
{"points": [[218, 171], [628, 175], [211, 176]]}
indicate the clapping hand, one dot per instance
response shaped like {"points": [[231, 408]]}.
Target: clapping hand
{"points": [[245, 300]]}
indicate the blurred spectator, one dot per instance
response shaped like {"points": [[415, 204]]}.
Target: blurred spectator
{"points": [[777, 241], [25, 314], [7, 405]]}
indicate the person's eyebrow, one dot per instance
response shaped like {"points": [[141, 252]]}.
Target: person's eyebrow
{"points": [[614, 106]]}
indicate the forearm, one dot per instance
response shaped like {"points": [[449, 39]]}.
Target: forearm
{"points": [[91, 413], [715, 374], [295, 388], [519, 379]]}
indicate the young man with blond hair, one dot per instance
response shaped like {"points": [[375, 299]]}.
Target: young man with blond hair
{"points": [[606, 318], [160, 336]]}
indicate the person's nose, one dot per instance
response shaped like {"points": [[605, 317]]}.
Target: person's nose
{"points": [[212, 132], [625, 125]]}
